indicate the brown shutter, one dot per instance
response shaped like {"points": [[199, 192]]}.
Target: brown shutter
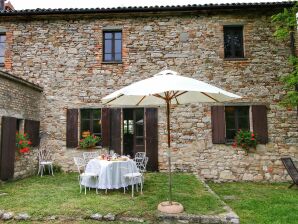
{"points": [[152, 138], [72, 128], [218, 124], [115, 129], [32, 129], [8, 147], [259, 117], [105, 123]]}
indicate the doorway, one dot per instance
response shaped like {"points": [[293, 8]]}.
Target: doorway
{"points": [[133, 131]]}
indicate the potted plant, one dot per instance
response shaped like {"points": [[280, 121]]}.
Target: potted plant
{"points": [[246, 140], [89, 141], [23, 143]]}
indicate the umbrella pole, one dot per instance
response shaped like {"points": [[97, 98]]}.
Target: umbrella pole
{"points": [[169, 151]]}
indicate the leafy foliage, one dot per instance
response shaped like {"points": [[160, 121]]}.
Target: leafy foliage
{"points": [[89, 141], [23, 143], [286, 25], [245, 140]]}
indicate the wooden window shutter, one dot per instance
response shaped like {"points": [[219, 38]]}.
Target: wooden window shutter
{"points": [[260, 126], [8, 147], [72, 128], [218, 124], [151, 115], [32, 129], [115, 130], [105, 125]]}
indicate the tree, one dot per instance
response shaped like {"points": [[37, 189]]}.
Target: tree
{"points": [[286, 27]]}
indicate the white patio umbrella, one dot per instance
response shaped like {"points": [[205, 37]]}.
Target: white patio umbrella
{"points": [[167, 88]]}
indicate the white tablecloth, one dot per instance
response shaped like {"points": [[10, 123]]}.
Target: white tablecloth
{"points": [[110, 173]]}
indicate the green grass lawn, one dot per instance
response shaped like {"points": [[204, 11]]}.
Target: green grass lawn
{"points": [[59, 195], [261, 203]]}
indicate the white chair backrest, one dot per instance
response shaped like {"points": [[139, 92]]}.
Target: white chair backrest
{"points": [[145, 163], [140, 155], [80, 163], [139, 162], [90, 155], [44, 155]]}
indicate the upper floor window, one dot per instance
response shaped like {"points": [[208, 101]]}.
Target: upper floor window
{"points": [[91, 121], [112, 46], [233, 41], [237, 117], [2, 47]]}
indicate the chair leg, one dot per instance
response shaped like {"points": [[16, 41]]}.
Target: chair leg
{"points": [[292, 185], [38, 170], [42, 169], [52, 169], [106, 191], [85, 190], [80, 184], [132, 187], [141, 187]]}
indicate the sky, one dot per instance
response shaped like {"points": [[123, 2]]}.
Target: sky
{"points": [[32, 4]]}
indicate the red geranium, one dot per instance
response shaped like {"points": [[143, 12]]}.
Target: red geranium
{"points": [[245, 139], [23, 143]]}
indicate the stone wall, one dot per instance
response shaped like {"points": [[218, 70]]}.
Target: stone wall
{"points": [[65, 57], [21, 100]]}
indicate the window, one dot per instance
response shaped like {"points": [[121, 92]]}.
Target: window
{"points": [[233, 41], [139, 118], [91, 121], [112, 46], [2, 48], [237, 117]]}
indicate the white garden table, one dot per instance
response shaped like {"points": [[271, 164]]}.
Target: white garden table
{"points": [[110, 173]]}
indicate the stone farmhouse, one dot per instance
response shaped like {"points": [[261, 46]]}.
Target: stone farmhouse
{"points": [[57, 64]]}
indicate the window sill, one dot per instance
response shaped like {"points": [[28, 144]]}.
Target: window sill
{"points": [[235, 59], [111, 62], [91, 149]]}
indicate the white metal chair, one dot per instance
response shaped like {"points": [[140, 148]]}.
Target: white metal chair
{"points": [[132, 177], [140, 155], [80, 163], [145, 163], [141, 165], [45, 159], [90, 155]]}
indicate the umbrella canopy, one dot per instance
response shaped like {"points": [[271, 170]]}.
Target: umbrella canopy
{"points": [[166, 88], [167, 83]]}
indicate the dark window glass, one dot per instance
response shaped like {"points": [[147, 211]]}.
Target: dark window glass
{"points": [[236, 118], [233, 41], [108, 46], [139, 132], [2, 47], [112, 46], [91, 121]]}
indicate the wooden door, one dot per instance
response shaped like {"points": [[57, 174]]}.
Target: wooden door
{"points": [[115, 130], [138, 137], [8, 147], [151, 116], [72, 128], [32, 129]]}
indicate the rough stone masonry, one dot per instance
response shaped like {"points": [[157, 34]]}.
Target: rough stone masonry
{"points": [[63, 54]]}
